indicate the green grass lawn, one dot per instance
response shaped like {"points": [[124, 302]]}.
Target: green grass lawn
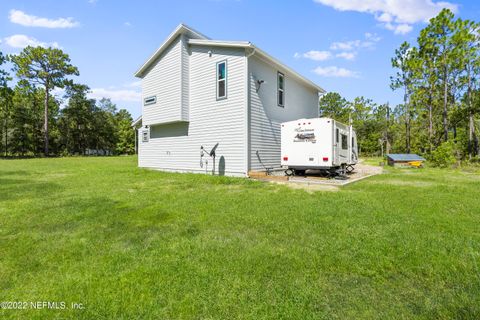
{"points": [[130, 243]]}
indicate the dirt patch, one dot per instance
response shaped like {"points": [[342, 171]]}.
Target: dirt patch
{"points": [[309, 187], [314, 182]]}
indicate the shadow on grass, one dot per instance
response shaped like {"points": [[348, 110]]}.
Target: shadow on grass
{"points": [[14, 173], [13, 189]]}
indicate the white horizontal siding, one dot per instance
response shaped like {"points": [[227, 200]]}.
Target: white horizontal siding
{"points": [[265, 116], [185, 78], [210, 121], [164, 80]]}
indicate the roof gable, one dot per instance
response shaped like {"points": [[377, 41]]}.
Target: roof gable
{"points": [[200, 39], [180, 29]]}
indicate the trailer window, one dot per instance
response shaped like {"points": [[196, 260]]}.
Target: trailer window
{"points": [[222, 80], [337, 136], [353, 142], [344, 142], [281, 89]]}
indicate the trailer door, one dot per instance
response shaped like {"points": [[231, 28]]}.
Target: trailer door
{"points": [[336, 144]]}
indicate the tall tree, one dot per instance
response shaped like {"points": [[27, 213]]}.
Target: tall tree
{"points": [[404, 62], [468, 39], [5, 101], [48, 67], [428, 76], [334, 106], [77, 120], [125, 133], [440, 31]]}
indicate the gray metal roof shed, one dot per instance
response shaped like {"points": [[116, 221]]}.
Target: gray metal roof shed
{"points": [[404, 157]]}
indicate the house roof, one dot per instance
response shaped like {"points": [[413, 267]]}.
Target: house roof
{"points": [[137, 122], [181, 28], [259, 52], [404, 157], [205, 41]]}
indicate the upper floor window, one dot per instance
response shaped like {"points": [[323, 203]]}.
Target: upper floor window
{"points": [[222, 80], [280, 89], [149, 100]]}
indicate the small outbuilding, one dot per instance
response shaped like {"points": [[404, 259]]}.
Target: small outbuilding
{"points": [[404, 160]]}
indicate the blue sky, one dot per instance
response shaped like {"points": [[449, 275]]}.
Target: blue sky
{"points": [[343, 45]]}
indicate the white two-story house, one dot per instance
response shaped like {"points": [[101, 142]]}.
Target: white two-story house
{"points": [[202, 92]]}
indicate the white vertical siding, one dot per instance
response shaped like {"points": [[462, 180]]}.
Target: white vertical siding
{"points": [[176, 146], [265, 116]]}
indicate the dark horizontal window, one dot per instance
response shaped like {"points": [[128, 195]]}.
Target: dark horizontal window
{"points": [[149, 100]]}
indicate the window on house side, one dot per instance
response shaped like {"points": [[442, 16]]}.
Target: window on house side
{"points": [[280, 89], [222, 80]]}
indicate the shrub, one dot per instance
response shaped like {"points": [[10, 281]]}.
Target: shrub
{"points": [[444, 155]]}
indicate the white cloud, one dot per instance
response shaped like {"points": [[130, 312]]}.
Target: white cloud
{"points": [[92, 1], [368, 42], [398, 28], [20, 17], [347, 55], [315, 55], [349, 49], [395, 15], [348, 45], [134, 84], [21, 41], [336, 72], [116, 95], [372, 37], [127, 24]]}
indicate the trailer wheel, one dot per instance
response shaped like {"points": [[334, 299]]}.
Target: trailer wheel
{"points": [[289, 172]]}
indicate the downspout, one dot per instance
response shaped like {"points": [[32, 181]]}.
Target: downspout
{"points": [[247, 108], [320, 96], [135, 150]]}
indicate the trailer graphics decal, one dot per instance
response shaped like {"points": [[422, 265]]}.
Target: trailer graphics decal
{"points": [[304, 135]]}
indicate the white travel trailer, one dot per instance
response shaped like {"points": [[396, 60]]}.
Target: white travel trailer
{"points": [[319, 143]]}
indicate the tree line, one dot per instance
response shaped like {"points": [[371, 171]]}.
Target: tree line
{"points": [[439, 80], [34, 122]]}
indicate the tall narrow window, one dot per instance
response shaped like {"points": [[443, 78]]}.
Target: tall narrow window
{"points": [[222, 80], [280, 89], [337, 136]]}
